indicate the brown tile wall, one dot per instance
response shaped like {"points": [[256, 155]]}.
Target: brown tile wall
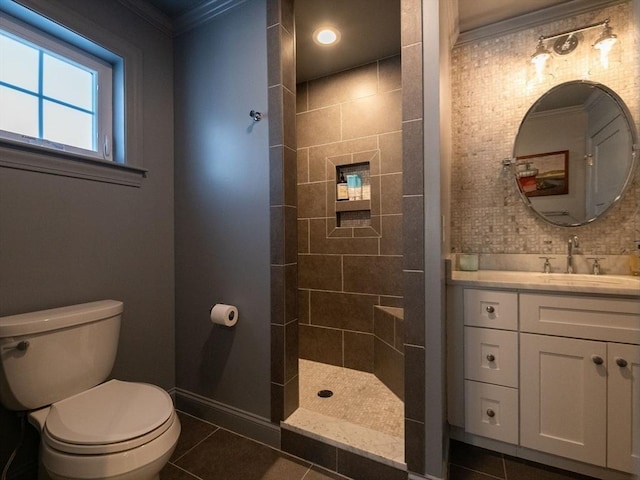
{"points": [[346, 118], [414, 227], [283, 208], [388, 351]]}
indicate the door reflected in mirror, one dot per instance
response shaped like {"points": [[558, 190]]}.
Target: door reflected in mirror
{"points": [[574, 153]]}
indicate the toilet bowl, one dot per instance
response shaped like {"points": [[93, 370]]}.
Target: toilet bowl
{"points": [[121, 429], [52, 363]]}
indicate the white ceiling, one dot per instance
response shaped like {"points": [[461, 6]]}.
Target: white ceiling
{"points": [[370, 29]]}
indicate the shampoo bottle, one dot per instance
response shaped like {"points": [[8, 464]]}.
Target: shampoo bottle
{"points": [[342, 192]]}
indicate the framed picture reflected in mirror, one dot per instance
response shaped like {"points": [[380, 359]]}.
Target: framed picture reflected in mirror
{"points": [[543, 174]]}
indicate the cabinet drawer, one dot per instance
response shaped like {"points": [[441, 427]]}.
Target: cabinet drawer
{"points": [[611, 319], [491, 411], [491, 356], [490, 308]]}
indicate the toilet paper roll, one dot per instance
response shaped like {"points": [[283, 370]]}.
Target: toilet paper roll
{"points": [[222, 314]]}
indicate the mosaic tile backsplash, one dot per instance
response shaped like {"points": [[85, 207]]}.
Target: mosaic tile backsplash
{"points": [[494, 85]]}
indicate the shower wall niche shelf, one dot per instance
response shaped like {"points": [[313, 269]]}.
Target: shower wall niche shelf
{"points": [[355, 212], [353, 205]]}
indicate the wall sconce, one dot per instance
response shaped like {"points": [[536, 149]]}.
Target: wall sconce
{"points": [[540, 57], [604, 43], [566, 42]]}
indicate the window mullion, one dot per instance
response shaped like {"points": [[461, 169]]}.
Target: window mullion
{"points": [[40, 94]]}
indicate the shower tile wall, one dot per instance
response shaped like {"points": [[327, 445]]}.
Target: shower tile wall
{"points": [[494, 84], [343, 272], [282, 202]]}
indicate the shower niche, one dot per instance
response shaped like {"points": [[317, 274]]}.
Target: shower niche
{"points": [[356, 215]]}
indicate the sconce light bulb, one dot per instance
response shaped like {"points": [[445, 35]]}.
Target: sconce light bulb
{"points": [[540, 59], [541, 55], [605, 43]]}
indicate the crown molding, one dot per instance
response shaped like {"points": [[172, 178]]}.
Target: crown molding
{"points": [[151, 14], [185, 22], [534, 19], [202, 14]]}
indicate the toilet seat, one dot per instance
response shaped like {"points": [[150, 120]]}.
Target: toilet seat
{"points": [[112, 417]]}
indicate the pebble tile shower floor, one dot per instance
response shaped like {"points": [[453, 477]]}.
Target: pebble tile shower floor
{"points": [[362, 415], [358, 397]]}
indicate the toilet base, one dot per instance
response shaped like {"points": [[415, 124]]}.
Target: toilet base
{"points": [[148, 472], [44, 475]]}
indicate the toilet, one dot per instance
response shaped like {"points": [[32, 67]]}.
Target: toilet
{"points": [[53, 364]]}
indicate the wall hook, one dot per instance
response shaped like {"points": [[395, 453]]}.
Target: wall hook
{"points": [[257, 116]]}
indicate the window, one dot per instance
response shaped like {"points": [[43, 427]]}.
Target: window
{"points": [[68, 105], [53, 95]]}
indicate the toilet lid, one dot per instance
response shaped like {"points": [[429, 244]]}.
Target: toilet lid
{"points": [[112, 412]]}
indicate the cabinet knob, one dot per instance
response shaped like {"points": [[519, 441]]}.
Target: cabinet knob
{"points": [[597, 359], [621, 362], [491, 413], [490, 309], [491, 357]]}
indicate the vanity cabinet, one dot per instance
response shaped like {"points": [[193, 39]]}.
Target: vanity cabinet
{"points": [[580, 390], [549, 372]]}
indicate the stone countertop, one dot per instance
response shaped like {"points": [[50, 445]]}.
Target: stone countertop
{"points": [[625, 285]]}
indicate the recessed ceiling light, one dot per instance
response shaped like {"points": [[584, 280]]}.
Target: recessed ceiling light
{"points": [[326, 36]]}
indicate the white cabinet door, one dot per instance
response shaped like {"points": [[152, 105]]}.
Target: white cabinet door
{"points": [[563, 397], [624, 408]]}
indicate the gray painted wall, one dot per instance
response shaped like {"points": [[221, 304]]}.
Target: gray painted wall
{"points": [[222, 209], [67, 240]]}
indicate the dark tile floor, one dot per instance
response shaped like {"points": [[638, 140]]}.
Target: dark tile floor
{"points": [[467, 462], [208, 452]]}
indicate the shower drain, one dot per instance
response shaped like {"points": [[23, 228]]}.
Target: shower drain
{"points": [[325, 393]]}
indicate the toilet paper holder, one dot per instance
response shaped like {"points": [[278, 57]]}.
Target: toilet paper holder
{"points": [[223, 314], [208, 311]]}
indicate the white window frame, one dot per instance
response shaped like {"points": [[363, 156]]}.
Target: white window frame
{"points": [[125, 167], [104, 91]]}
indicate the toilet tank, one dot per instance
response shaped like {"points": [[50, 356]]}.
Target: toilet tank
{"points": [[53, 354]]}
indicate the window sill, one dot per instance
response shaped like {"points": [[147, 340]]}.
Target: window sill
{"points": [[69, 165]]}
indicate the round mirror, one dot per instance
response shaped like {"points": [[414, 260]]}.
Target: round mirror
{"points": [[574, 153]]}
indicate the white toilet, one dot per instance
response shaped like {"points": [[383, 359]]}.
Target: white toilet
{"points": [[53, 363]]}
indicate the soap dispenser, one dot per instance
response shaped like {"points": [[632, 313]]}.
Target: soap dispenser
{"points": [[634, 259]]}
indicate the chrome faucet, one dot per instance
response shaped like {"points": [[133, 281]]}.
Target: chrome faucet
{"points": [[571, 244]]}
